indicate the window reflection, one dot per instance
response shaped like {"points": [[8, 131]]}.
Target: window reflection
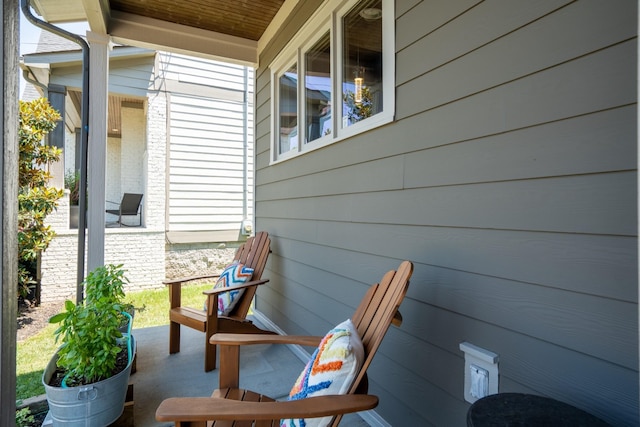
{"points": [[317, 84], [362, 62], [288, 109], [335, 88]]}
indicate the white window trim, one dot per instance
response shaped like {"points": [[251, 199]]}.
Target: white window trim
{"points": [[275, 102], [328, 16], [302, 72]]}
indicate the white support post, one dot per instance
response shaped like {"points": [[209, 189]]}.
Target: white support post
{"points": [[97, 150]]}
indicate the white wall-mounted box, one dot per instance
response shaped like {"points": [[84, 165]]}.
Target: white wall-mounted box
{"points": [[480, 372]]}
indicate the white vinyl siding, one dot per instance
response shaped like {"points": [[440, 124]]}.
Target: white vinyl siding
{"points": [[187, 69], [208, 173]]}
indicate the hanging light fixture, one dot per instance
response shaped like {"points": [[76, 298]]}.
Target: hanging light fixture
{"points": [[371, 13], [358, 81]]}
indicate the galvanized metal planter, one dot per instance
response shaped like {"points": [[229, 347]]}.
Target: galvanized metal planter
{"points": [[97, 404]]}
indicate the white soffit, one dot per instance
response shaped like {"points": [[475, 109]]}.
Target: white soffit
{"points": [[57, 11]]}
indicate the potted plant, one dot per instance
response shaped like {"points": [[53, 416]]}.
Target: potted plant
{"points": [[72, 183], [86, 380]]}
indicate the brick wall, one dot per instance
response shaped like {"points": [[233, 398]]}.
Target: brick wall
{"points": [[113, 186], [59, 218], [136, 165], [140, 251], [155, 154], [69, 151], [132, 147]]}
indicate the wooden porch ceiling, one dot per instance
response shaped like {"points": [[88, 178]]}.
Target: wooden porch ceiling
{"points": [[224, 29], [246, 19], [114, 125]]}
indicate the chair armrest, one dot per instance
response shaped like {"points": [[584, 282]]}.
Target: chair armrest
{"points": [[175, 288], [189, 279], [210, 408], [251, 339], [229, 375], [234, 288]]}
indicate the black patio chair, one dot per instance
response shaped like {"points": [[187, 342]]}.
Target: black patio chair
{"points": [[129, 206]]}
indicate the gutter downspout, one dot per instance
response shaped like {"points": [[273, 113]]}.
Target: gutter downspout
{"points": [[246, 227], [84, 136], [27, 77]]}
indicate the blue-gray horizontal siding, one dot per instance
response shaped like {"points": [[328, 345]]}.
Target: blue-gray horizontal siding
{"points": [[509, 178], [128, 76]]}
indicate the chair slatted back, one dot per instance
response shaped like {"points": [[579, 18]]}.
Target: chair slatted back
{"points": [[253, 253], [376, 312]]}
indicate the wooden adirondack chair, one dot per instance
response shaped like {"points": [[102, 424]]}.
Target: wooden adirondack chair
{"points": [[378, 309], [253, 253]]}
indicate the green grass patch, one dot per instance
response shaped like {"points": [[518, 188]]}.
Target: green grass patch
{"points": [[152, 309], [32, 357]]}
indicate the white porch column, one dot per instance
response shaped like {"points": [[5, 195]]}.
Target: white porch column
{"points": [[97, 150]]}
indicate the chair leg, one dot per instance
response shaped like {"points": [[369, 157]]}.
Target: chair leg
{"points": [[209, 354], [174, 337]]}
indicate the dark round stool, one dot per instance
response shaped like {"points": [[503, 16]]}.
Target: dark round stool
{"points": [[527, 410]]}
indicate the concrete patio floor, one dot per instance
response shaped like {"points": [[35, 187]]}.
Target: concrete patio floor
{"points": [[269, 369]]}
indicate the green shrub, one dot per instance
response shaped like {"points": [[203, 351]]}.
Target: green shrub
{"points": [[72, 182], [36, 199]]}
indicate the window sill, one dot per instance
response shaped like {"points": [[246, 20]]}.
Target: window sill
{"points": [[367, 125]]}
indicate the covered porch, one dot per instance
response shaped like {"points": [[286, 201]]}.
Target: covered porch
{"points": [[506, 169], [270, 369]]}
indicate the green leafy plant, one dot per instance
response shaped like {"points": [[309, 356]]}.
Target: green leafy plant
{"points": [[72, 182], [90, 331], [24, 418], [105, 285], [151, 310], [36, 199]]}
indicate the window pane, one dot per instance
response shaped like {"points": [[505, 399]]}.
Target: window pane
{"points": [[288, 108], [362, 59], [317, 83]]}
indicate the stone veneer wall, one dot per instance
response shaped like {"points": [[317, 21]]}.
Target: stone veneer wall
{"points": [[185, 260]]}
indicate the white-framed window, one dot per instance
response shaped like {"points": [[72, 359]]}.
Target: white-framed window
{"points": [[343, 56]]}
